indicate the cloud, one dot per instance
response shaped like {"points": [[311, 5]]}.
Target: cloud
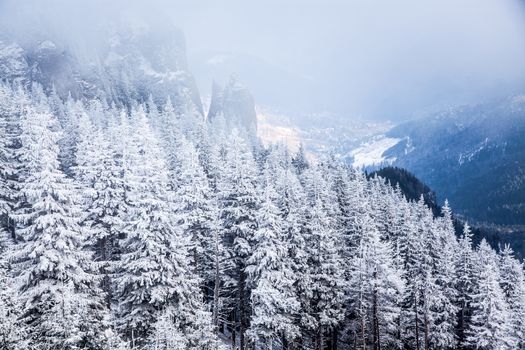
{"points": [[378, 59]]}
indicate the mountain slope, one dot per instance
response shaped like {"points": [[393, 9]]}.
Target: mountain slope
{"points": [[474, 156], [413, 189]]}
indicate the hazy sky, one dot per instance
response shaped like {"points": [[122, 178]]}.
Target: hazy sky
{"points": [[376, 59]]}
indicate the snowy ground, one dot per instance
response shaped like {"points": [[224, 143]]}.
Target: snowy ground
{"points": [[372, 153]]}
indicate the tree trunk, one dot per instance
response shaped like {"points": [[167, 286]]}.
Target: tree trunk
{"points": [[284, 341], [375, 320], [102, 244], [334, 338], [11, 227], [363, 332], [242, 309], [299, 344], [234, 340], [319, 340], [426, 332], [461, 323], [398, 333], [416, 323], [216, 285]]}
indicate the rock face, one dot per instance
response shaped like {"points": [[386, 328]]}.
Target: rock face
{"points": [[132, 63], [54, 68], [216, 103], [43, 62], [150, 62], [13, 65], [235, 103]]}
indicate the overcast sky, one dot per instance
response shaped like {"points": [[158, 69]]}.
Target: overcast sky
{"points": [[375, 59]]}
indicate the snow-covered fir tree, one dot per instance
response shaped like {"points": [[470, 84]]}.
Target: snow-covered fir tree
{"points": [[238, 200], [12, 332], [513, 287], [126, 226], [61, 301], [271, 276], [99, 173], [321, 286], [375, 289], [154, 271], [490, 324]]}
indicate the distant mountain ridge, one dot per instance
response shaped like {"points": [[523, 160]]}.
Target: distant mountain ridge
{"points": [[474, 156]]}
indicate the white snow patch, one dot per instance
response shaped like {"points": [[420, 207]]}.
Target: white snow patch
{"points": [[10, 50], [467, 157], [372, 153], [47, 45], [12, 61], [148, 70], [218, 59], [270, 132]]}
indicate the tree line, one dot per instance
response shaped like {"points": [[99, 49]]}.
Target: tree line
{"points": [[147, 227]]}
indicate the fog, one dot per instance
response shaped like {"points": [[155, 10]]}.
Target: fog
{"points": [[387, 60]]}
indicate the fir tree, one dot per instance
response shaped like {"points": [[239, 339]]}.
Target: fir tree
{"points": [[98, 171], [238, 204], [270, 273], [322, 284], [512, 281], [465, 261], [154, 272], [53, 272], [490, 325]]}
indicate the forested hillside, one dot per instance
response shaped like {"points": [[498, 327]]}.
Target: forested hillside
{"points": [[149, 228], [413, 188], [409, 184], [474, 155]]}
